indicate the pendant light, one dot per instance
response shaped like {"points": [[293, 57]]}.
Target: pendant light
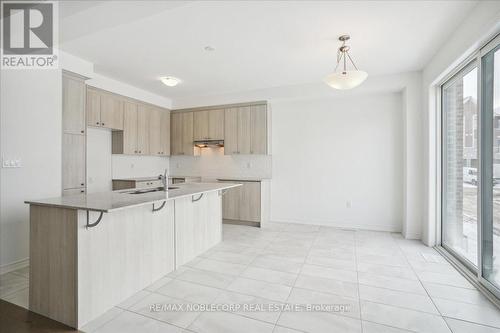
{"points": [[345, 79]]}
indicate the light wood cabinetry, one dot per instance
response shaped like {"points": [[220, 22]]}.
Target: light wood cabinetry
{"points": [[104, 109], [165, 133], [198, 225], [111, 111], [247, 203], [142, 130], [250, 202], [73, 105], [243, 127], [246, 130], [200, 119], [258, 130], [209, 125], [74, 134], [181, 129], [146, 131], [73, 161]]}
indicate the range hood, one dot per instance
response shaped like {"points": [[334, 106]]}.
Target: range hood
{"points": [[208, 143]]}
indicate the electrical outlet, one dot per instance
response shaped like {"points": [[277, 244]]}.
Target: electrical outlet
{"points": [[249, 165], [348, 204], [15, 163]]}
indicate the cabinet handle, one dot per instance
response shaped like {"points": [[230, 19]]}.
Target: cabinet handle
{"points": [[135, 151], [97, 123], [140, 151], [82, 184], [82, 131], [102, 124], [82, 191]]}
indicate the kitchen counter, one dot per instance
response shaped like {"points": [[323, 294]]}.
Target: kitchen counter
{"points": [[243, 179], [115, 200], [89, 253]]}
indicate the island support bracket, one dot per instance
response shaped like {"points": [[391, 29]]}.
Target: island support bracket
{"points": [[197, 199], [159, 208], [91, 225]]}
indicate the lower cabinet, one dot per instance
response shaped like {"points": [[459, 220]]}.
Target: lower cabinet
{"points": [[198, 225], [247, 203]]}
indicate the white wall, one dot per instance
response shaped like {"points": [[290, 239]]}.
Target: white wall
{"points": [[328, 153], [309, 167], [30, 130], [481, 24]]}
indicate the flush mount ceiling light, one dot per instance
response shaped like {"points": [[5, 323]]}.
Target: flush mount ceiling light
{"points": [[170, 81], [345, 79]]}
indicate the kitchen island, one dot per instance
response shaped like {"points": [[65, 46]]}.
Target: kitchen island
{"points": [[90, 252]]}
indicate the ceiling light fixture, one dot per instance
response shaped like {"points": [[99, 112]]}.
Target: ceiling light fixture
{"points": [[170, 81], [346, 79], [209, 48]]}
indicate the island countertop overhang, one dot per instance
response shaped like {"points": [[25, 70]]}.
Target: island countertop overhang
{"points": [[111, 201]]}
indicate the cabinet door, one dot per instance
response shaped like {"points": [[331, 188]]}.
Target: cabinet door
{"points": [[258, 130], [93, 107], [111, 111], [250, 202], [129, 128], [216, 124], [244, 130], [187, 133], [165, 132], [231, 204], [176, 134], [230, 131], [142, 130], [73, 105], [184, 230], [154, 131], [73, 164], [200, 119]]}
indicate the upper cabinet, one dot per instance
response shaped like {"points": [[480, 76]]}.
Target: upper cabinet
{"points": [[159, 131], [104, 109], [209, 125], [137, 128], [74, 134], [182, 136], [73, 105], [243, 127], [246, 130]]}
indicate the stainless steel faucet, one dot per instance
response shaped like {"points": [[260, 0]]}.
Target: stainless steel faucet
{"points": [[164, 179]]}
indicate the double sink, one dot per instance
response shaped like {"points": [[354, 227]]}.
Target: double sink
{"points": [[148, 190]]}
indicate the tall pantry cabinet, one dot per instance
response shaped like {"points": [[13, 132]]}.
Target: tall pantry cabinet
{"points": [[73, 134]]}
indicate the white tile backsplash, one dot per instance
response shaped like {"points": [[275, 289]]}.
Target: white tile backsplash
{"points": [[212, 163]]}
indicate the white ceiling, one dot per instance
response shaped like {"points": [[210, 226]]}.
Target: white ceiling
{"points": [[259, 44]]}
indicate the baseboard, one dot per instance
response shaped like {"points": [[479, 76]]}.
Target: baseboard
{"points": [[386, 228], [14, 266], [412, 236]]}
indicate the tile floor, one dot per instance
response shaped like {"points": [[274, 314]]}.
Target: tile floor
{"points": [[378, 283]]}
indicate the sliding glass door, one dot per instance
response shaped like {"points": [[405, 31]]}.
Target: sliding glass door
{"points": [[470, 221], [490, 170], [460, 165]]}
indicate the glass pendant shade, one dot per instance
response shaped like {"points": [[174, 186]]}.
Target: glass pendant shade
{"points": [[346, 80]]}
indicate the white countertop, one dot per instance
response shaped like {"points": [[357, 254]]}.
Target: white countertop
{"points": [[243, 179], [115, 200]]}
